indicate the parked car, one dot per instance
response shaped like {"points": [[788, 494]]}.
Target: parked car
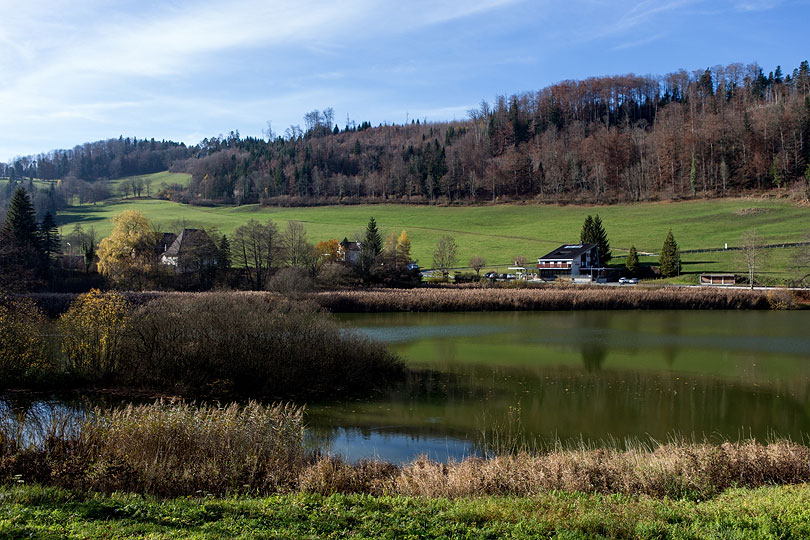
{"points": [[628, 280]]}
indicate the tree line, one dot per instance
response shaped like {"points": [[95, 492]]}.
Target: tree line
{"points": [[714, 132]]}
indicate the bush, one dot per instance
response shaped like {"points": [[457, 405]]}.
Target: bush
{"points": [[92, 330], [23, 349], [257, 345]]}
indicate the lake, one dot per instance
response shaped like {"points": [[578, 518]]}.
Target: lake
{"points": [[591, 376]]}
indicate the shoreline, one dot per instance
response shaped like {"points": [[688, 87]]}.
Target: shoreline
{"points": [[477, 298]]}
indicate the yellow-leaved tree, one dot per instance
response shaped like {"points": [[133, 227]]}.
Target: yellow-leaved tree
{"points": [[403, 250], [92, 332], [128, 253]]}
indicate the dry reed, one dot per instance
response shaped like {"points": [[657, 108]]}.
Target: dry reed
{"points": [[181, 449], [539, 299]]}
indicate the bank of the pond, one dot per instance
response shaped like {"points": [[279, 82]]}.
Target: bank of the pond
{"points": [[767, 512], [515, 297], [176, 449], [215, 344]]}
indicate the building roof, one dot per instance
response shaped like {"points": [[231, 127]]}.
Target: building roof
{"points": [[189, 237], [568, 252], [348, 245]]}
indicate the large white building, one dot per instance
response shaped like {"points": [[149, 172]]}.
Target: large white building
{"points": [[573, 261]]}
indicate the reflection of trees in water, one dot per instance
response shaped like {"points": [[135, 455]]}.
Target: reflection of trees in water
{"points": [[593, 355], [26, 422]]}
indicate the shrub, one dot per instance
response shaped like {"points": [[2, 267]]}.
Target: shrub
{"points": [[92, 330], [23, 349], [251, 345]]}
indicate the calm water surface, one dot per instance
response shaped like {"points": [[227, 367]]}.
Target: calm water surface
{"points": [[570, 375]]}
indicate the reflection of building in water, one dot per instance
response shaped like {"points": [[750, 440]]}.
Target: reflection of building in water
{"points": [[593, 355]]}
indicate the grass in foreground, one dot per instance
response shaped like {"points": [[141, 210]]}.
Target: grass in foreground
{"points": [[768, 512]]}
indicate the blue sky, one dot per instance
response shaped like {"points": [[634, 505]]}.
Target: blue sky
{"points": [[73, 71]]}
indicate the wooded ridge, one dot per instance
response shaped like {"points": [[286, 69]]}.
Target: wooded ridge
{"points": [[714, 132]]}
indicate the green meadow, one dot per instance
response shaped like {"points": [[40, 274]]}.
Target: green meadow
{"points": [[770, 512], [501, 232]]}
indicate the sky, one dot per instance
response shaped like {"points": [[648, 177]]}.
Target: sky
{"points": [[74, 71]]}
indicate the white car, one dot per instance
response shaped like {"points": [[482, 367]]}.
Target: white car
{"points": [[628, 281]]}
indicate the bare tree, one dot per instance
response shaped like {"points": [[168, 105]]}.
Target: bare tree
{"points": [[751, 250], [296, 249], [256, 248], [477, 262], [446, 254]]}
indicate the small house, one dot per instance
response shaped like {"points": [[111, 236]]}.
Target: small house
{"points": [[191, 249], [569, 261], [349, 252]]}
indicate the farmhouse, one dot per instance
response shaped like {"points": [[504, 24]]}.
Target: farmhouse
{"points": [[190, 250], [573, 260], [349, 252]]}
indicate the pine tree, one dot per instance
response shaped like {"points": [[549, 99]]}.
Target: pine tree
{"points": [[49, 236], [632, 265], [224, 254], [593, 232], [371, 247], [587, 236], [20, 228], [601, 241], [670, 259]]}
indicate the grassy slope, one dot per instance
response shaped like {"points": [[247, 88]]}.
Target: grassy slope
{"points": [[502, 231], [774, 512], [159, 178]]}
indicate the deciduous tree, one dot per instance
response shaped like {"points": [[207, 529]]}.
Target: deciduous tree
{"points": [[127, 255], [445, 255]]}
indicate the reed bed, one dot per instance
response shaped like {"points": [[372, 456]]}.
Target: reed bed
{"points": [[184, 449], [474, 297], [547, 299]]}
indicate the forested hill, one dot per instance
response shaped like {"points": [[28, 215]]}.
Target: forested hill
{"points": [[718, 131]]}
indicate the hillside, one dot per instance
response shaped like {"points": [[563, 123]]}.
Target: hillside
{"points": [[500, 232], [723, 131]]}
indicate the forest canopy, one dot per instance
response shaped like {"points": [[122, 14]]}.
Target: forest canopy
{"points": [[713, 132]]}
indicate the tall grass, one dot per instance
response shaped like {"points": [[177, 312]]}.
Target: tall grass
{"points": [[182, 449], [162, 448]]}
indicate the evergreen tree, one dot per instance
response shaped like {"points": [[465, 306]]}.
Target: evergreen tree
{"points": [[49, 235], [601, 241], [20, 228], [593, 232], [224, 254], [670, 259], [371, 247], [587, 235], [632, 265]]}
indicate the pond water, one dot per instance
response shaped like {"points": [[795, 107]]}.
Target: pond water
{"points": [[590, 375]]}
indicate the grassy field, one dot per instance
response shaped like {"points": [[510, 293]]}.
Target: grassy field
{"points": [[771, 512], [157, 179], [499, 232]]}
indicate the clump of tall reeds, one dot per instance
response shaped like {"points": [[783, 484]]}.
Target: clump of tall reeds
{"points": [[182, 449], [162, 448], [673, 470]]}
